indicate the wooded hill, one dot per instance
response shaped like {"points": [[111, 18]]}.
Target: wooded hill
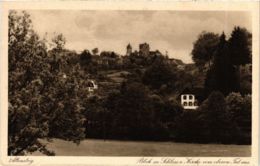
{"points": [[137, 98]]}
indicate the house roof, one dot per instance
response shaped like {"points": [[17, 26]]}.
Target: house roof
{"points": [[176, 61], [197, 91], [193, 90], [129, 46], [156, 52]]}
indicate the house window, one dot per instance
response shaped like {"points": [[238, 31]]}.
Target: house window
{"points": [[190, 97], [185, 103], [184, 97], [190, 103], [90, 84]]}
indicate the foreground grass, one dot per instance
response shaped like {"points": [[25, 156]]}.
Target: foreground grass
{"points": [[92, 147]]}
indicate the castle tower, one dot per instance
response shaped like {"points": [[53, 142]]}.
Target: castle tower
{"points": [[144, 49], [128, 50]]}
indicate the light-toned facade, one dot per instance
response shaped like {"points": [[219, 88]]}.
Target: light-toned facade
{"points": [[189, 101], [92, 86]]}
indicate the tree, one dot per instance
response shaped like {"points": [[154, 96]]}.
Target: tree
{"points": [[239, 109], [37, 92], [211, 123], [109, 54], [223, 76], [234, 104], [85, 58], [59, 42], [246, 79], [189, 127], [136, 114], [27, 55], [220, 128], [204, 48], [158, 74], [167, 110], [95, 51], [240, 44], [67, 120], [240, 48]]}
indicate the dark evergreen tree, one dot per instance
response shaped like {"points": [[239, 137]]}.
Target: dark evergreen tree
{"points": [[210, 82], [223, 76], [240, 46]]}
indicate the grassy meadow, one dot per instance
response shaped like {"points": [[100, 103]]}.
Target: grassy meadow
{"points": [[92, 147]]}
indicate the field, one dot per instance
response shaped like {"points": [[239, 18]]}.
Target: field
{"points": [[91, 147]]}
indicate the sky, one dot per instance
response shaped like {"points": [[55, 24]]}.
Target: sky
{"points": [[171, 31]]}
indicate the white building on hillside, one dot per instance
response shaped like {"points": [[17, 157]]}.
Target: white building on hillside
{"points": [[189, 102], [92, 86]]}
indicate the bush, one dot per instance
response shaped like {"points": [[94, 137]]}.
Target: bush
{"points": [[221, 129], [210, 123], [189, 128], [134, 113], [239, 109]]}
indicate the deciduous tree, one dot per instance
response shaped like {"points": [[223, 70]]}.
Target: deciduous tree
{"points": [[41, 96], [204, 48]]}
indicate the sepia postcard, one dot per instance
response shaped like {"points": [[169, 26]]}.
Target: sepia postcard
{"points": [[133, 83]]}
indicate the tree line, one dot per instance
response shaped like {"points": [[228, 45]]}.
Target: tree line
{"points": [[224, 59]]}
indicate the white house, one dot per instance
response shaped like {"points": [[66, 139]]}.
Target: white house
{"points": [[92, 86], [188, 101]]}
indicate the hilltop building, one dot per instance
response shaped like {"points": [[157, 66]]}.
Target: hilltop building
{"points": [[128, 50], [155, 53], [144, 49]]}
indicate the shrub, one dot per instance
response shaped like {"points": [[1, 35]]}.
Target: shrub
{"points": [[239, 109], [210, 123]]}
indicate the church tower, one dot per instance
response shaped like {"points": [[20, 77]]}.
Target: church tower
{"points": [[128, 50]]}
